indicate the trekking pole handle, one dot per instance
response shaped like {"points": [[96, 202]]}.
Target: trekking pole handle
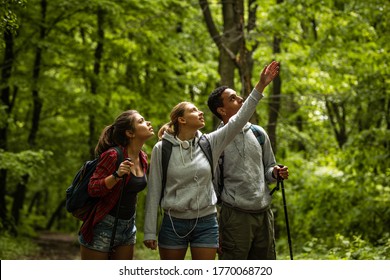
{"points": [[279, 178]]}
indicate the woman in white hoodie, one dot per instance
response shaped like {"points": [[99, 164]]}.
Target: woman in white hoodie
{"points": [[189, 200]]}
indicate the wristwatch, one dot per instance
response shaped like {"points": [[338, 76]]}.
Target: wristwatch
{"points": [[116, 175]]}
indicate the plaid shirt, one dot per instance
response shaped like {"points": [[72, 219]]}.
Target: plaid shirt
{"points": [[97, 188]]}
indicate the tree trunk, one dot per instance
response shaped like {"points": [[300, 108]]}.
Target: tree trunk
{"points": [[274, 104], [387, 113], [229, 42], [19, 197], [337, 117], [56, 215], [232, 42], [7, 102], [95, 78], [297, 144], [232, 38], [37, 100], [246, 55], [20, 192]]}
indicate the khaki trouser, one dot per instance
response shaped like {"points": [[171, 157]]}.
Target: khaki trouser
{"points": [[246, 236]]}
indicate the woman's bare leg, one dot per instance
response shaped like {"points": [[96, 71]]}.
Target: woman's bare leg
{"points": [[89, 254], [125, 252], [172, 254], [203, 253]]}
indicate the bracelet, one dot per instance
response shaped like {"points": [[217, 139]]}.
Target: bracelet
{"points": [[116, 175]]}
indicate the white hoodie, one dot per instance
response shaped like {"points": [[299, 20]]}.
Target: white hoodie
{"points": [[189, 191]]}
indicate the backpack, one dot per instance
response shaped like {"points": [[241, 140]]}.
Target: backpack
{"points": [[260, 138], [78, 201], [166, 155]]}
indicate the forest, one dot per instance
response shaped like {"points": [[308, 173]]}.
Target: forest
{"points": [[68, 68]]}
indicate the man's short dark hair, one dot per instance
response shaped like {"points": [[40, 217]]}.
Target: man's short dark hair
{"points": [[215, 100]]}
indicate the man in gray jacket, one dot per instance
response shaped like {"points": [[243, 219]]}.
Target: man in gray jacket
{"points": [[246, 222]]}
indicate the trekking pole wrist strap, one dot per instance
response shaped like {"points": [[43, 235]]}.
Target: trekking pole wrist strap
{"points": [[116, 175]]}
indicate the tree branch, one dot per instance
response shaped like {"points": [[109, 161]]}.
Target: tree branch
{"points": [[204, 4]]}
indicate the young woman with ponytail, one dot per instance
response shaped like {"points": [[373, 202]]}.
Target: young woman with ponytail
{"points": [[129, 132]]}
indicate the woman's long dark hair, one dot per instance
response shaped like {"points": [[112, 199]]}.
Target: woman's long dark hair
{"points": [[115, 134]]}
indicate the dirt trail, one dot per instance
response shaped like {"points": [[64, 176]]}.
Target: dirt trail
{"points": [[56, 246]]}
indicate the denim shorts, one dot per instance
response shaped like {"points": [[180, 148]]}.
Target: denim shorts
{"points": [[125, 234], [199, 233]]}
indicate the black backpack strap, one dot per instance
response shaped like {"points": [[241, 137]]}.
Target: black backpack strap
{"points": [[259, 135], [261, 138], [221, 177], [166, 152], [206, 148], [119, 158]]}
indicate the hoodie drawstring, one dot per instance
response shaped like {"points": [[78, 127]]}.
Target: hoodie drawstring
{"points": [[181, 150]]}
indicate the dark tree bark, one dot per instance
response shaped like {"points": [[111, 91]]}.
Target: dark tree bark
{"points": [[94, 80], [337, 117], [20, 193], [231, 39], [233, 52], [245, 64], [274, 104], [57, 215], [37, 100], [19, 197], [275, 99], [7, 101]]}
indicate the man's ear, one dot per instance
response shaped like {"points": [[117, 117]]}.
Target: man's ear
{"points": [[221, 111]]}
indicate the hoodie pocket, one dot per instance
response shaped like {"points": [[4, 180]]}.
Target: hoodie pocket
{"points": [[186, 199], [194, 198]]}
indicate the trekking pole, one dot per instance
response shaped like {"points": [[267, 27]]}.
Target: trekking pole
{"points": [[280, 180], [117, 213]]}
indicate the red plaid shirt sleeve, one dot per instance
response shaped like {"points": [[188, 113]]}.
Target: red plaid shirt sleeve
{"points": [[105, 167]]}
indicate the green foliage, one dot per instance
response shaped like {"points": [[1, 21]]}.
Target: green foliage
{"points": [[353, 248], [358, 249], [12, 248], [8, 18], [334, 57], [25, 162], [329, 203]]}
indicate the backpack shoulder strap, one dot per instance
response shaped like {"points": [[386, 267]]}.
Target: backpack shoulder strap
{"points": [[206, 148], [166, 152], [221, 177], [119, 158], [259, 134]]}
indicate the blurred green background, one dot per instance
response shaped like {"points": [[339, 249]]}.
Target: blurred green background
{"points": [[68, 68]]}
